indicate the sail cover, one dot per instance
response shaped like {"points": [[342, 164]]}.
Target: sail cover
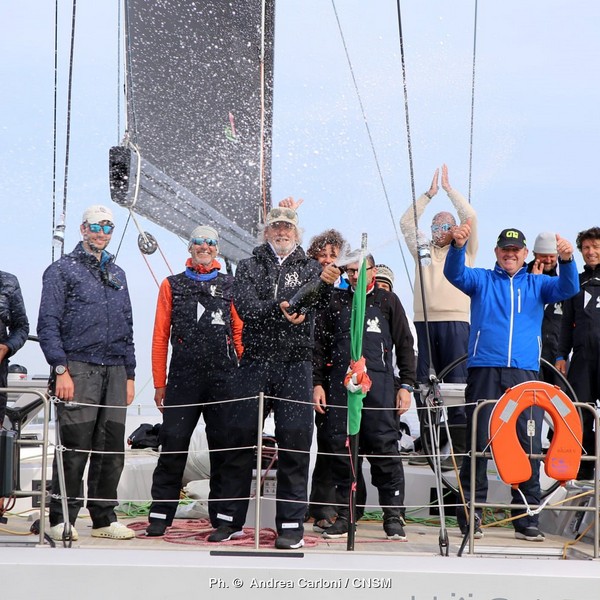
{"points": [[197, 148]]}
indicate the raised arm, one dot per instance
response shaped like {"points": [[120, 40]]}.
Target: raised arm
{"points": [[407, 221], [464, 210]]}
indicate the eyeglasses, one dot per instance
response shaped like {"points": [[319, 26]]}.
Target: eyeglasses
{"points": [[97, 228], [445, 227], [353, 272], [200, 241]]}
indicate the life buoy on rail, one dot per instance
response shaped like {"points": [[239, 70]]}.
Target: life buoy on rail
{"points": [[564, 455]]}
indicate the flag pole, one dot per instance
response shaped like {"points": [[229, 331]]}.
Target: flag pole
{"points": [[357, 327]]}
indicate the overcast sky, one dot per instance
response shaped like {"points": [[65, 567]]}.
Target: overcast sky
{"points": [[536, 129]]}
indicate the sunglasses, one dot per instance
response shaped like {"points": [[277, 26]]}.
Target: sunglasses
{"points": [[445, 227], [277, 213], [97, 228], [207, 241]]}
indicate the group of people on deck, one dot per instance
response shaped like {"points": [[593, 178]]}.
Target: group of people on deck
{"points": [[281, 326]]}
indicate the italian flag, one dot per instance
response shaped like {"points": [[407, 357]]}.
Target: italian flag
{"points": [[357, 381]]}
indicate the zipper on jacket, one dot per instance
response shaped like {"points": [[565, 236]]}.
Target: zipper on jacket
{"points": [[476, 343], [382, 354], [277, 282], [519, 300], [512, 318]]}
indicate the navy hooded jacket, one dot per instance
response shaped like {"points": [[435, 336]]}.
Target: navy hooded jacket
{"points": [[85, 312]]}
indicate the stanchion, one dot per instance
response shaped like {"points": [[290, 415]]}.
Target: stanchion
{"points": [[257, 496]]}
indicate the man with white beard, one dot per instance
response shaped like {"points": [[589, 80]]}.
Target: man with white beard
{"points": [[277, 357]]}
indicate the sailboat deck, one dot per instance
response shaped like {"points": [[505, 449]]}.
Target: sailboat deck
{"points": [[190, 536]]}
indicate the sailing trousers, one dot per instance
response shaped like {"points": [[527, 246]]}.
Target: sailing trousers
{"points": [[489, 383], [98, 425], [288, 390], [187, 397], [449, 341], [584, 377], [378, 441], [322, 489]]}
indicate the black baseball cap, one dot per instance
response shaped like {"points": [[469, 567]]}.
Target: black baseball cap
{"points": [[511, 237]]}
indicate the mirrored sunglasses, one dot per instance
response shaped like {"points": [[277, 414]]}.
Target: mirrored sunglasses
{"points": [[445, 227], [278, 213], [200, 241], [97, 228]]}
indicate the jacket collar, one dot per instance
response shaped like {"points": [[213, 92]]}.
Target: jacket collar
{"points": [[500, 271]]}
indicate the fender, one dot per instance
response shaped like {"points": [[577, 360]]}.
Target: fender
{"points": [[564, 455]]}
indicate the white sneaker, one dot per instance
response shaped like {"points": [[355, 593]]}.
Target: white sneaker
{"points": [[56, 533], [115, 531]]}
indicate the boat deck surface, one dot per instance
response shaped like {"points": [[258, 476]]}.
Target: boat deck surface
{"points": [[190, 535]]}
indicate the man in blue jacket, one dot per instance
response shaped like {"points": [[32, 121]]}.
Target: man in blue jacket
{"points": [[85, 329], [507, 308]]}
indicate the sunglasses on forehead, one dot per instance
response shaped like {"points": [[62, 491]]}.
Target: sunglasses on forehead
{"points": [[97, 228], [200, 241], [277, 213]]}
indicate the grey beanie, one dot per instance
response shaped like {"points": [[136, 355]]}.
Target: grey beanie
{"points": [[545, 243]]}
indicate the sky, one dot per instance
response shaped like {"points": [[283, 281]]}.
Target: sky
{"points": [[535, 136]]}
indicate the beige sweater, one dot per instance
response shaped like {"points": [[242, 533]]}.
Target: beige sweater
{"points": [[444, 301]]}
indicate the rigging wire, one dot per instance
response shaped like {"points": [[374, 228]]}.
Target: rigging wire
{"points": [[131, 217], [54, 124], [443, 538], [119, 70], [432, 374], [144, 238], [263, 186], [472, 103], [411, 166], [68, 127], [369, 135]]}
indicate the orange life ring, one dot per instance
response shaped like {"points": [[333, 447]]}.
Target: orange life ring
{"points": [[564, 455]]}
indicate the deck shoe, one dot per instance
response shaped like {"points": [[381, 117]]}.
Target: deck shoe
{"points": [[57, 531], [530, 534], [338, 530], [394, 529], [156, 528], [447, 463], [477, 534], [224, 533], [115, 531], [321, 525], [418, 459], [290, 539]]}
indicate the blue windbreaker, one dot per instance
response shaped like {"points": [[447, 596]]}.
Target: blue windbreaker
{"points": [[85, 312], [507, 312]]}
